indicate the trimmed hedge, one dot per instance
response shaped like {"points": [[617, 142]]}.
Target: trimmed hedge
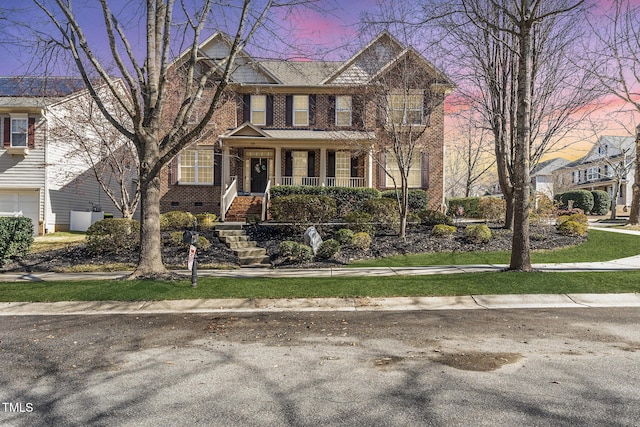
{"points": [[431, 217], [418, 199], [359, 222], [383, 211], [361, 240], [582, 199], [16, 237], [572, 228], [295, 251], [303, 209], [328, 248], [347, 199], [601, 202], [113, 235], [206, 220], [492, 209], [344, 236], [176, 220], [469, 204], [442, 231], [478, 233]]}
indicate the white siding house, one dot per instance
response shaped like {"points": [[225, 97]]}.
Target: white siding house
{"points": [[38, 179]]}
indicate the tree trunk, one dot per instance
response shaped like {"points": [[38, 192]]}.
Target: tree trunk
{"points": [[634, 214], [614, 201], [520, 251]]}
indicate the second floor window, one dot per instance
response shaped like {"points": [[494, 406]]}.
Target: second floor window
{"points": [[259, 110], [405, 108], [343, 110], [300, 110], [19, 131], [592, 174], [576, 177], [196, 167]]}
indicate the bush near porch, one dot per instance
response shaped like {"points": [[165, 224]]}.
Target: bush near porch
{"points": [[347, 199]]}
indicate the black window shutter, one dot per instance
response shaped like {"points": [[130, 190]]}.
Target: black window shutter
{"points": [[289, 110], [425, 171], [173, 171], [331, 112], [426, 108], [312, 110], [311, 163], [31, 133], [331, 164], [217, 168], [288, 163], [357, 112], [246, 108], [269, 110], [7, 131], [354, 167]]}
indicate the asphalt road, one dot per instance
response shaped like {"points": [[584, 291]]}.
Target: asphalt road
{"points": [[569, 367]]}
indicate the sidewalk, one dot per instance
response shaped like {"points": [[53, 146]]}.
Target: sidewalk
{"points": [[334, 304]]}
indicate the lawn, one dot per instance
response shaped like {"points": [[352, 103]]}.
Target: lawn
{"points": [[600, 246]]}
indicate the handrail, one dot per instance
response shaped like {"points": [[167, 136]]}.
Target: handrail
{"points": [[229, 196], [265, 200]]}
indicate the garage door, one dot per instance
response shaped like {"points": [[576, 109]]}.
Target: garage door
{"points": [[26, 201]]}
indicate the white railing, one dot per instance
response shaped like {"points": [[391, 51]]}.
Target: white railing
{"points": [[228, 197], [329, 182], [265, 200]]}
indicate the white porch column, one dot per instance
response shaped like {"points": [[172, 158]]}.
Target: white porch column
{"points": [[370, 168], [323, 167], [278, 167]]}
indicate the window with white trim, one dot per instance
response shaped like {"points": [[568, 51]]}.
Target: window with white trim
{"points": [[300, 159], [576, 177], [592, 174], [343, 110], [405, 108], [19, 130], [608, 171], [343, 168], [300, 110], [196, 167], [259, 110], [414, 179]]}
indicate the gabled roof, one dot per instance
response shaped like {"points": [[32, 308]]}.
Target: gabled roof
{"points": [[614, 145], [548, 166], [247, 130], [441, 78], [299, 73], [39, 87]]}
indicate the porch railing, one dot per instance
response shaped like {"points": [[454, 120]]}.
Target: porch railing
{"points": [[329, 181], [265, 200], [228, 197]]}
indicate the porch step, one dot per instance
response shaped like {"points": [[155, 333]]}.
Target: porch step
{"points": [[248, 252], [243, 207]]}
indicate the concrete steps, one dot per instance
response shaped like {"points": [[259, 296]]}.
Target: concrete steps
{"points": [[250, 255]]}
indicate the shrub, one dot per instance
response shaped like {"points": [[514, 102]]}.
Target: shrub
{"points": [[359, 221], [328, 248], [383, 211], [175, 239], [16, 237], [417, 198], [479, 233], [361, 240], [582, 199], [544, 209], [431, 217], [303, 209], [113, 235], [572, 228], [601, 202], [347, 199], [443, 231], [295, 251], [576, 217], [176, 220], [469, 204], [344, 236], [492, 209], [206, 220]]}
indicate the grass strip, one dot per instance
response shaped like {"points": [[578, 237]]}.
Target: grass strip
{"points": [[395, 286]]}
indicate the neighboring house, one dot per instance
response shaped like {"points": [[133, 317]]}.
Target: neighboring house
{"points": [[38, 179], [308, 123], [609, 163], [542, 175]]}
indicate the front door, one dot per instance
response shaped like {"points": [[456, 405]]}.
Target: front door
{"points": [[259, 175]]}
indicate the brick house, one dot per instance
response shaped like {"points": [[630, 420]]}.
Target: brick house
{"points": [[311, 123]]}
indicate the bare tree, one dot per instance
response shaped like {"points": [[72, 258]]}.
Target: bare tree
{"points": [[158, 133], [91, 140], [469, 156], [617, 57]]}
